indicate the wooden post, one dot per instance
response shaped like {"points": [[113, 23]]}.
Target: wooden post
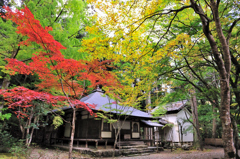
{"points": [[96, 144], [100, 125], [153, 136], [106, 144], [86, 144], [77, 143]]}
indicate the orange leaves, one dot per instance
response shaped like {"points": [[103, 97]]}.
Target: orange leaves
{"points": [[19, 99], [98, 74], [18, 66], [23, 98], [30, 27], [52, 68]]}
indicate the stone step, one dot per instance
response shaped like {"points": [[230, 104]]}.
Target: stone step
{"points": [[138, 151], [129, 143], [145, 154], [133, 155], [109, 152], [136, 146]]}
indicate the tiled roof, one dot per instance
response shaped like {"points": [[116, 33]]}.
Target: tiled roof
{"points": [[163, 121], [171, 107], [151, 123], [104, 103], [175, 105]]}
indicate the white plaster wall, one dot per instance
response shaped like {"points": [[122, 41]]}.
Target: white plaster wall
{"points": [[125, 125], [182, 115], [135, 135], [171, 118], [171, 134], [105, 134]]}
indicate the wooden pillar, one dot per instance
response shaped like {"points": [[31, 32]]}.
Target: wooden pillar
{"points": [[86, 144], [100, 126], [43, 138], [96, 144], [105, 144], [146, 133], [153, 136]]}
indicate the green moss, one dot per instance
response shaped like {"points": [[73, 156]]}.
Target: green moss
{"points": [[7, 155]]}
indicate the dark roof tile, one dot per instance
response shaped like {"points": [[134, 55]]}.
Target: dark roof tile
{"points": [[104, 103], [175, 105]]}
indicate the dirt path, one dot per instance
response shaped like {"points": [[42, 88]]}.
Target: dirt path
{"points": [[213, 153], [209, 152], [167, 154]]}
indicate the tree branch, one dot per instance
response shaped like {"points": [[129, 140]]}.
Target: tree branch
{"points": [[59, 13], [230, 29]]}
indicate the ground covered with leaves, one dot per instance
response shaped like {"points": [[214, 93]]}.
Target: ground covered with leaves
{"points": [[209, 152], [42, 153]]}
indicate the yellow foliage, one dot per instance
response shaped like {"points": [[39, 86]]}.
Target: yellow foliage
{"points": [[130, 41]]}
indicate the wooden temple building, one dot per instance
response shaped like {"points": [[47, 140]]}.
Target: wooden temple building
{"points": [[91, 131]]}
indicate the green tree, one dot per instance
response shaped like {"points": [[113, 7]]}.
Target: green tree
{"points": [[178, 28], [68, 20]]}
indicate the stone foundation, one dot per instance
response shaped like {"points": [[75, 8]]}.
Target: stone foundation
{"points": [[127, 151]]}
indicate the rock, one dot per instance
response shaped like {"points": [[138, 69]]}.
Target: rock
{"points": [[186, 147]]}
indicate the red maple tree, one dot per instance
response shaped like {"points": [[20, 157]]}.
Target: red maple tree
{"points": [[50, 64], [52, 68], [20, 98], [28, 105]]}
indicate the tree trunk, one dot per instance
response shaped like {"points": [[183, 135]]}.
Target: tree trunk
{"points": [[5, 83], [31, 134], [6, 80], [224, 70], [235, 135], [21, 128], [224, 67], [214, 122], [115, 141], [148, 103], [197, 134], [27, 132], [72, 133], [227, 135], [28, 127], [181, 134]]}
